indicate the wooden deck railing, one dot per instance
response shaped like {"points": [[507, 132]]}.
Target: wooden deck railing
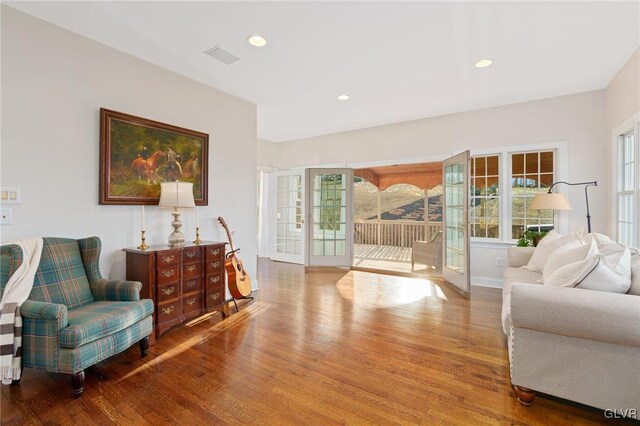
{"points": [[395, 233]]}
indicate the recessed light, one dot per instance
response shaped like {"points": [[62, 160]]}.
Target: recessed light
{"points": [[257, 40], [343, 97], [483, 63]]}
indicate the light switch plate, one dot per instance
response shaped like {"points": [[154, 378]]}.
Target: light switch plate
{"points": [[10, 195], [5, 216]]}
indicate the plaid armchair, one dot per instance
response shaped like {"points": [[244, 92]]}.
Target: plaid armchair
{"points": [[74, 318]]}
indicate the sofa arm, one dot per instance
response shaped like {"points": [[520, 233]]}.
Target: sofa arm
{"points": [[519, 256], [573, 312], [33, 309], [116, 291]]}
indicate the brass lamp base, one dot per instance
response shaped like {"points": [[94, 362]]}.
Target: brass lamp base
{"points": [[176, 239], [143, 245]]}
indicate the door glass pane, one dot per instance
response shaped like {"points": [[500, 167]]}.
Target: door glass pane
{"points": [[329, 214], [455, 223], [289, 215]]}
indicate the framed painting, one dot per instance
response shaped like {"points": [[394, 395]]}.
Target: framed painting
{"points": [[136, 154]]}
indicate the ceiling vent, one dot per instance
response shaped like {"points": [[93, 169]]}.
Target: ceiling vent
{"points": [[222, 55]]}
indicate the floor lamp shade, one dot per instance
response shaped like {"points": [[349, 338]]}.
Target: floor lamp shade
{"points": [[556, 201], [550, 201], [176, 195]]}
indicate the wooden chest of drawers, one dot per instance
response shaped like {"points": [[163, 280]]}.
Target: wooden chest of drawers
{"points": [[183, 282]]}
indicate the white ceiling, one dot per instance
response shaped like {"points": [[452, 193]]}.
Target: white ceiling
{"points": [[397, 60]]}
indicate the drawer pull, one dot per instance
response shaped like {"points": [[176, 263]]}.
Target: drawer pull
{"points": [[168, 310], [214, 252], [191, 301], [214, 296], [168, 291], [191, 284], [192, 254], [168, 259], [214, 279], [191, 268], [168, 273], [215, 265]]}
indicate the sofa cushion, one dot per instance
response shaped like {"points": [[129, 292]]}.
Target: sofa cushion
{"points": [[635, 274], [61, 277], [549, 245], [96, 320], [521, 275]]}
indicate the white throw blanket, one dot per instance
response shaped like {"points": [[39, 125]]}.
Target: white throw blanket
{"points": [[15, 293]]}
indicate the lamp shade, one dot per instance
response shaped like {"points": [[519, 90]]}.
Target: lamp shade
{"points": [[176, 195], [550, 201]]}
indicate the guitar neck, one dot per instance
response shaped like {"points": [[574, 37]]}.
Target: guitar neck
{"points": [[230, 239], [226, 228]]}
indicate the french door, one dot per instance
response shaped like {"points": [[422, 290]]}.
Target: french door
{"points": [[455, 180], [329, 204], [288, 227]]}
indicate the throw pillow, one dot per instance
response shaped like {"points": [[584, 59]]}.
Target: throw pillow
{"points": [[606, 245], [573, 273], [545, 248], [612, 273], [566, 255]]}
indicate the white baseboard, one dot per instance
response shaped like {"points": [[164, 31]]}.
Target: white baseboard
{"points": [[486, 282]]}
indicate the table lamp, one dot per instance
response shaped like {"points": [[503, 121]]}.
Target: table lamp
{"points": [[176, 195], [556, 201]]}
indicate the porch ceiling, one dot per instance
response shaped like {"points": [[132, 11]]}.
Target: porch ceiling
{"points": [[422, 175]]}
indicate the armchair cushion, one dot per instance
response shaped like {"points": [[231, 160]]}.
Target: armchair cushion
{"points": [[100, 319], [123, 291], [61, 277]]}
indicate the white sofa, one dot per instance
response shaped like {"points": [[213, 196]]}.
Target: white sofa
{"points": [[581, 345]]}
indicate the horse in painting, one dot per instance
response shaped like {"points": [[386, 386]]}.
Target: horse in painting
{"points": [[146, 168]]}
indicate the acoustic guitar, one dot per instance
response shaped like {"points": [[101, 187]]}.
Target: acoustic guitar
{"points": [[238, 280]]}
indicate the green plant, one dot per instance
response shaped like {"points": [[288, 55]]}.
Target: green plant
{"points": [[530, 238]]}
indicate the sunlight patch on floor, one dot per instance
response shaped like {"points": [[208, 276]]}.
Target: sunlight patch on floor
{"points": [[382, 291], [250, 311]]}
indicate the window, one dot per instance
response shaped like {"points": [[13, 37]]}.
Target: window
{"points": [[531, 172], [627, 194], [484, 196]]}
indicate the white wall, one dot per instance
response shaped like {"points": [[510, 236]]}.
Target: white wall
{"points": [[267, 153], [623, 113], [623, 93], [577, 119], [53, 84]]}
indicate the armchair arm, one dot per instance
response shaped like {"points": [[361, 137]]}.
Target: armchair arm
{"points": [[574, 312], [519, 256], [33, 309], [123, 291]]}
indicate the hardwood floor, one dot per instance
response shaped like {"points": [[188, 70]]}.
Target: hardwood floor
{"points": [[315, 348]]}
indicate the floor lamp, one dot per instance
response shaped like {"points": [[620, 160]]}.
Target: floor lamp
{"points": [[556, 201]]}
